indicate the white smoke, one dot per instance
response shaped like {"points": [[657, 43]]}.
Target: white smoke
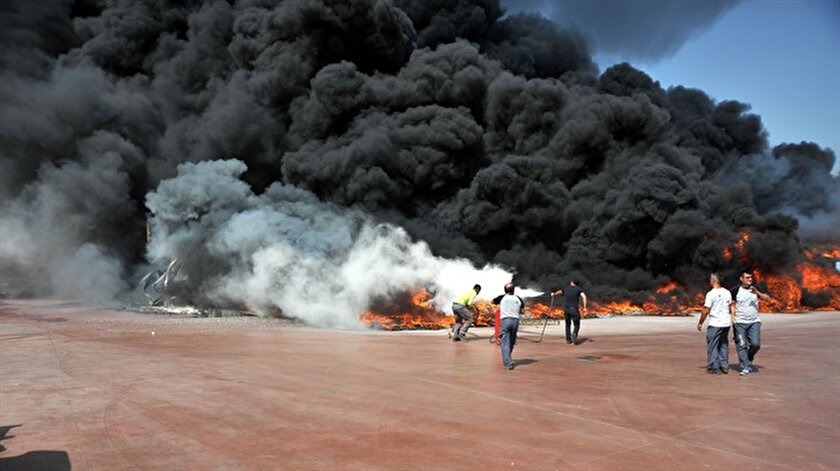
{"points": [[54, 231], [285, 249]]}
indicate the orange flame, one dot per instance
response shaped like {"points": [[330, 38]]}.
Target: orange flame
{"points": [[787, 292], [813, 285], [739, 248], [667, 287], [415, 310]]}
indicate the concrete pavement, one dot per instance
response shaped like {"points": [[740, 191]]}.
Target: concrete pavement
{"points": [[89, 388]]}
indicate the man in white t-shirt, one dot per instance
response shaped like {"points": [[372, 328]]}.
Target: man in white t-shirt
{"points": [[510, 308], [720, 319], [747, 322]]}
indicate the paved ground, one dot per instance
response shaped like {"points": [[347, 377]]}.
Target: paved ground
{"points": [[88, 389]]}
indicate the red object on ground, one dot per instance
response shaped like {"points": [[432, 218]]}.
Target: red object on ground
{"points": [[498, 321]]}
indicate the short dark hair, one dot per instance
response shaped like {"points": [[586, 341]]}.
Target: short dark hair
{"points": [[509, 288], [477, 287], [574, 281]]}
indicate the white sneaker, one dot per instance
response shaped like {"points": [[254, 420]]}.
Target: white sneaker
{"points": [[745, 372]]}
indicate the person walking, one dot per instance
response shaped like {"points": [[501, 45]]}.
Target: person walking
{"points": [[462, 307], [717, 304], [744, 309], [510, 308], [574, 304]]}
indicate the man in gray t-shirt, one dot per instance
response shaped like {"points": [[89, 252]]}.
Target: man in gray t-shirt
{"points": [[747, 321], [510, 307]]}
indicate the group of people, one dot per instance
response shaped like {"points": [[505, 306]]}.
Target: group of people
{"points": [[724, 309], [510, 311]]}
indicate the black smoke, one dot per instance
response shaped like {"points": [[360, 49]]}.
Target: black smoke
{"points": [[488, 137]]}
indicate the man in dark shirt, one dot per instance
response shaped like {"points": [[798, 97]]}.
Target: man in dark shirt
{"points": [[574, 303]]}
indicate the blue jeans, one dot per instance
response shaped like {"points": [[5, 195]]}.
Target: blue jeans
{"points": [[717, 345], [507, 334], [748, 343]]}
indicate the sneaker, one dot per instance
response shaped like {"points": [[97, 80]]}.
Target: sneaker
{"points": [[456, 339], [510, 367], [724, 371], [713, 371], [744, 372], [569, 341]]}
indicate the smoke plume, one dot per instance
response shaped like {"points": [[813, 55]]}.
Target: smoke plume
{"points": [[313, 155]]}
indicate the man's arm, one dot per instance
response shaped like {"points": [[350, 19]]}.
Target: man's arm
{"points": [[583, 302], [558, 292], [732, 312], [703, 318], [761, 296]]}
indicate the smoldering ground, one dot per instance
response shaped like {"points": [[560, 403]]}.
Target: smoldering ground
{"points": [[442, 125]]}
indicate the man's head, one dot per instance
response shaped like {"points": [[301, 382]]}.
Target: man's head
{"points": [[509, 288], [746, 279], [714, 280], [477, 288], [573, 282]]}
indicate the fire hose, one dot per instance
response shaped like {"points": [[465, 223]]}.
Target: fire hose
{"points": [[494, 337], [545, 323]]}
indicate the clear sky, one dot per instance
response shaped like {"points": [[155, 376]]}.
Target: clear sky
{"points": [[780, 56]]}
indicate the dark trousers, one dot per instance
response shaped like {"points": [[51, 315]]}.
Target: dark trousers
{"points": [[717, 345], [572, 316], [507, 335], [747, 342]]}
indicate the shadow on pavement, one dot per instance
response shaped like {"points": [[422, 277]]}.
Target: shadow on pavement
{"points": [[37, 460]]}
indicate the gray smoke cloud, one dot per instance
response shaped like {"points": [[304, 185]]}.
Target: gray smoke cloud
{"points": [[370, 128], [285, 249], [643, 30]]}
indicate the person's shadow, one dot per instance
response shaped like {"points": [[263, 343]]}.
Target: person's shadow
{"points": [[32, 460], [582, 340], [736, 366], [522, 362]]}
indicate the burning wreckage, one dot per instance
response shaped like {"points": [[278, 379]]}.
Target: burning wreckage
{"points": [[815, 285], [161, 286]]}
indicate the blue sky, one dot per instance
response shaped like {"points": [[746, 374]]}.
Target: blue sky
{"points": [[781, 57]]}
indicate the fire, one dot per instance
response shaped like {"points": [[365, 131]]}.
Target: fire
{"points": [[784, 290], [832, 254], [667, 287], [819, 289], [811, 285], [742, 242], [616, 307], [739, 248], [406, 311], [416, 310]]}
